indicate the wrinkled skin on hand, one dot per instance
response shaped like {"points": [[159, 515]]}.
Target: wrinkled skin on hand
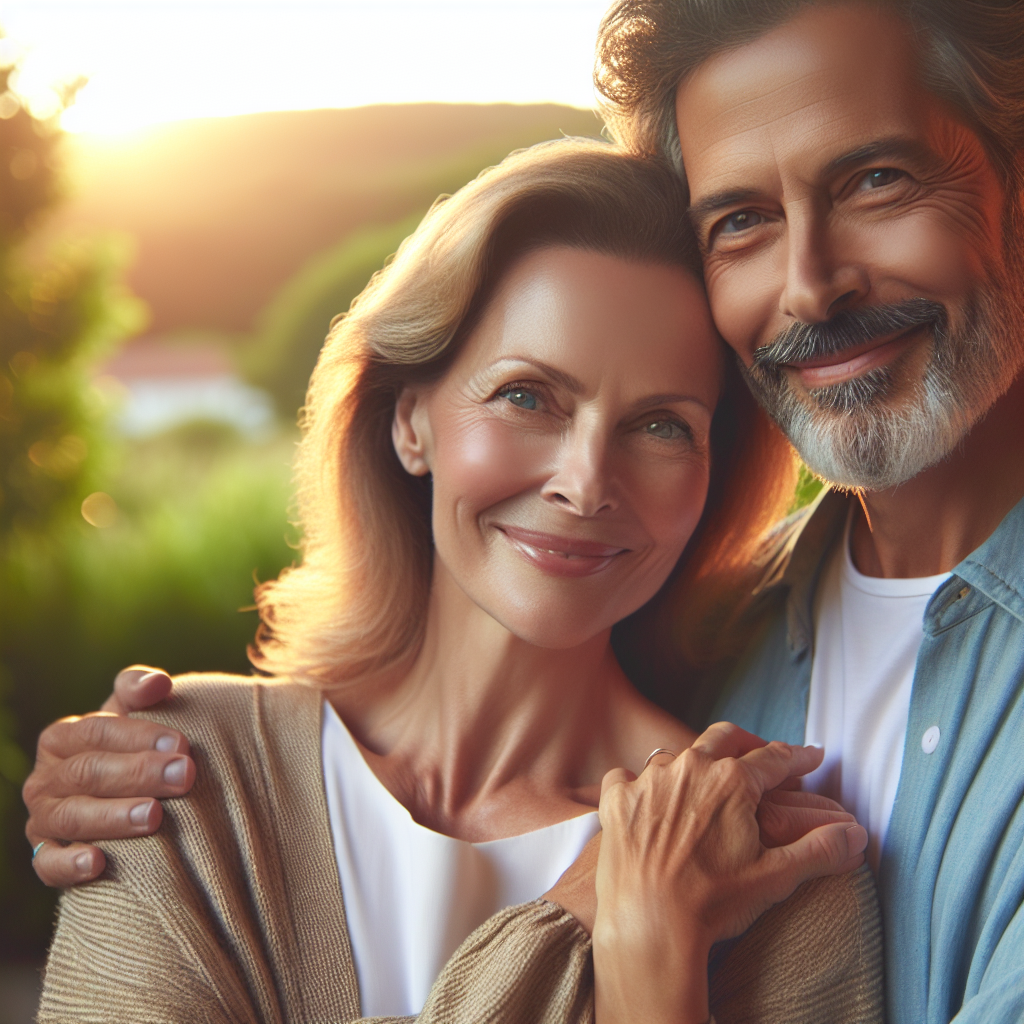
{"points": [[101, 776], [684, 864]]}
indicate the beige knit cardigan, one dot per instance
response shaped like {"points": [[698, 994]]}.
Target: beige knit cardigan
{"points": [[233, 911]]}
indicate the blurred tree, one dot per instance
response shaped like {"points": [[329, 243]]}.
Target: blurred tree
{"points": [[57, 317], [293, 326]]}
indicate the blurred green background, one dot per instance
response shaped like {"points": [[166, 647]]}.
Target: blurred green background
{"points": [[224, 243]]}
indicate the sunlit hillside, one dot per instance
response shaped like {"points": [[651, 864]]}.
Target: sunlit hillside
{"points": [[225, 210]]}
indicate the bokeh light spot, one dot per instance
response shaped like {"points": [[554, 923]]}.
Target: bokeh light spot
{"points": [[100, 510]]}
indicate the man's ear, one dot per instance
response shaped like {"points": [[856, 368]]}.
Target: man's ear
{"points": [[410, 432]]}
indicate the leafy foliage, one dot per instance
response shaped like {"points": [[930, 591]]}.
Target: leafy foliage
{"points": [[294, 325], [201, 514], [57, 317], [56, 320]]}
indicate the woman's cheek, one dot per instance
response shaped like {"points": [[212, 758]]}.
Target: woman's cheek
{"points": [[673, 503], [482, 460]]}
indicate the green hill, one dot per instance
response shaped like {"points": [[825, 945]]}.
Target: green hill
{"points": [[224, 211]]}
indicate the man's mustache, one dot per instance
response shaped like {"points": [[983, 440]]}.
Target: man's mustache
{"points": [[846, 329]]}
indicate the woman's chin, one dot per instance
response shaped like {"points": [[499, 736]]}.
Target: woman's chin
{"points": [[553, 631]]}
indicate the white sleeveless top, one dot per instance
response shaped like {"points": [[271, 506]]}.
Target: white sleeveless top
{"points": [[413, 895]]}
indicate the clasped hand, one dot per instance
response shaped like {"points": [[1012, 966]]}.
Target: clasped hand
{"points": [[693, 852]]}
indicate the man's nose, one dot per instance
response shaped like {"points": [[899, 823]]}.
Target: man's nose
{"points": [[820, 279], [581, 483]]}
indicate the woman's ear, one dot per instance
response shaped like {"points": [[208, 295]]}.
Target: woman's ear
{"points": [[410, 432]]}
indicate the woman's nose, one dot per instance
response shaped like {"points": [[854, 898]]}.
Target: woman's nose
{"points": [[581, 483]]}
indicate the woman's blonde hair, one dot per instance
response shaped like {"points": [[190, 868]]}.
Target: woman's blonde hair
{"points": [[356, 605]]}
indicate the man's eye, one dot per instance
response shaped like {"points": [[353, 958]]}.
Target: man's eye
{"points": [[740, 221], [520, 397], [668, 430], [880, 177]]}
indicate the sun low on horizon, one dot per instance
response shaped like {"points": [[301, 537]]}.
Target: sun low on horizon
{"points": [[148, 62]]}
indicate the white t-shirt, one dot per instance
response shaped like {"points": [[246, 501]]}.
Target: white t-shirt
{"points": [[867, 632], [412, 895]]}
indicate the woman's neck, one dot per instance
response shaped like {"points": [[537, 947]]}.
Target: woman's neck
{"points": [[487, 735]]}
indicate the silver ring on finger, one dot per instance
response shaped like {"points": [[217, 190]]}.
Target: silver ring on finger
{"points": [[653, 754]]}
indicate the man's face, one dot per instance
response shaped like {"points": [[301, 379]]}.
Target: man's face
{"points": [[852, 231]]}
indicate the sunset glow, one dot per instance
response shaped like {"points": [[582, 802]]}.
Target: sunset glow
{"points": [[150, 61]]}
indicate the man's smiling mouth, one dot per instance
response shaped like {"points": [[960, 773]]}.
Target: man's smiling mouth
{"points": [[839, 367]]}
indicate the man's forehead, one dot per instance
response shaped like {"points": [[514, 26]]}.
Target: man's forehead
{"points": [[833, 79]]}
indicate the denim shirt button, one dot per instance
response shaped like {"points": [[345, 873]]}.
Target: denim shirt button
{"points": [[930, 739]]}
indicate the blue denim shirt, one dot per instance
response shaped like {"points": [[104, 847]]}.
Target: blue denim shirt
{"points": [[952, 872]]}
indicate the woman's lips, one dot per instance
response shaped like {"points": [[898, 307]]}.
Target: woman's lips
{"points": [[561, 556], [853, 362]]}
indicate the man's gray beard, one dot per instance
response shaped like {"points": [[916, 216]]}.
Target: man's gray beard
{"points": [[866, 434]]}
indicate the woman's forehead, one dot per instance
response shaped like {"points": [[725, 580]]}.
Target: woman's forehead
{"points": [[585, 305]]}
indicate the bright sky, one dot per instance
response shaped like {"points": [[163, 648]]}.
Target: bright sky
{"points": [[158, 60]]}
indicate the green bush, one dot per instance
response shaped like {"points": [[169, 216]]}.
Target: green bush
{"points": [[201, 514], [293, 326]]}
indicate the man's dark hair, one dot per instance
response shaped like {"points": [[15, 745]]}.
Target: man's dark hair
{"points": [[971, 51]]}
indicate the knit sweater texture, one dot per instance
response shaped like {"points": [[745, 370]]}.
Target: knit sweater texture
{"points": [[232, 913]]}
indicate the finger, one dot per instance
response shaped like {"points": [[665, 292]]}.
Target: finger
{"points": [[780, 825], [102, 774], [64, 866], [773, 764], [828, 850], [137, 688], [660, 759], [723, 739], [801, 798], [83, 818], [102, 731], [616, 777], [790, 784]]}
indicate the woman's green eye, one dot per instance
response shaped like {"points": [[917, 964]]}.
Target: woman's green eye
{"points": [[520, 397], [667, 430]]}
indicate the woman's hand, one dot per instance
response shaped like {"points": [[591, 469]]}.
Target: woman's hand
{"points": [[682, 865], [98, 777], [783, 816]]}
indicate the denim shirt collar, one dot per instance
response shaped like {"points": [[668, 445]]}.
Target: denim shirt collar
{"points": [[995, 570]]}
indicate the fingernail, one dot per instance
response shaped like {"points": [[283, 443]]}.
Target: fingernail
{"points": [[139, 814], [83, 862], [152, 675], [856, 839], [165, 744], [174, 773], [814, 746]]}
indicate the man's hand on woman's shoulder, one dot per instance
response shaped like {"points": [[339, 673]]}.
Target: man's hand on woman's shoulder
{"points": [[101, 776]]}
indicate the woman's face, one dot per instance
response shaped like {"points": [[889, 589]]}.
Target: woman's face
{"points": [[569, 441]]}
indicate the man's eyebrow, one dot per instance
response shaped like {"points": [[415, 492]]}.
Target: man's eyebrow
{"points": [[897, 146], [710, 204]]}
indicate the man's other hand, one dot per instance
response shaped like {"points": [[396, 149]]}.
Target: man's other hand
{"points": [[100, 776]]}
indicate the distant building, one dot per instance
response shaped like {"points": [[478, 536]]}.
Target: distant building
{"points": [[167, 384]]}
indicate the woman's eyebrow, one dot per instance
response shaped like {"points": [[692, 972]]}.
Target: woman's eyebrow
{"points": [[571, 384], [669, 398]]}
